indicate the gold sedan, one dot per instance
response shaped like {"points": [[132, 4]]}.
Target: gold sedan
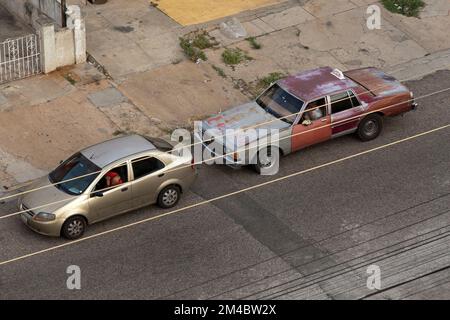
{"points": [[105, 180]]}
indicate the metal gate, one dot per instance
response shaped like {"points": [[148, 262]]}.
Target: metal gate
{"points": [[20, 58]]}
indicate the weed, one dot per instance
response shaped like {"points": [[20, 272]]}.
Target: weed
{"points": [[234, 56], [191, 51], [409, 8], [253, 43], [219, 71]]}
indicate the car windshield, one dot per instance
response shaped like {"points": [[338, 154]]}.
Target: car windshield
{"points": [[76, 166], [280, 103]]}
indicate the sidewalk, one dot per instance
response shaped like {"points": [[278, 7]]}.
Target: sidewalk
{"points": [[45, 119]]}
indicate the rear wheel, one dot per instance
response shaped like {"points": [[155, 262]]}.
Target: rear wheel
{"points": [[370, 127], [74, 227], [169, 197]]}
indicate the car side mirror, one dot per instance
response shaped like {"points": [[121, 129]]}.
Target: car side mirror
{"points": [[97, 194]]}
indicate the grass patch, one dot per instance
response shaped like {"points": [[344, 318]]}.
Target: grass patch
{"points": [[191, 51], [254, 43], [195, 42], [409, 8], [234, 56], [220, 71], [70, 78], [258, 86], [271, 78], [203, 41]]}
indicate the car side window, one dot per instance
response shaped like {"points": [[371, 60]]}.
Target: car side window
{"points": [[145, 166], [315, 110], [354, 99], [340, 102], [113, 178]]}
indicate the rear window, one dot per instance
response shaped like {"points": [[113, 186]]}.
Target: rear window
{"points": [[160, 144], [145, 166], [365, 89]]}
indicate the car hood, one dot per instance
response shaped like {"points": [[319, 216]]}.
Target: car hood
{"points": [[47, 198], [242, 118]]}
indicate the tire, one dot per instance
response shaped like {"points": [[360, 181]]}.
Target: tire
{"points": [[169, 197], [74, 227], [268, 162], [370, 127]]}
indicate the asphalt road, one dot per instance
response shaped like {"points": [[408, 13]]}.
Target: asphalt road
{"points": [[310, 236]]}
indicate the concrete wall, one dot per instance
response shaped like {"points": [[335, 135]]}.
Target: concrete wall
{"points": [[65, 47], [59, 46]]}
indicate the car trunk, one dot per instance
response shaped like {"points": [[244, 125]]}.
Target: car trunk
{"points": [[376, 81]]}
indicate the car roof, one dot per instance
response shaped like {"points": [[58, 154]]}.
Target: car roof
{"points": [[107, 152], [316, 83]]}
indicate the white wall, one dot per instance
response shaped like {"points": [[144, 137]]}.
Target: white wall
{"points": [[59, 46]]}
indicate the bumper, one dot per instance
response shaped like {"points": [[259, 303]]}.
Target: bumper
{"points": [[50, 228], [227, 160]]}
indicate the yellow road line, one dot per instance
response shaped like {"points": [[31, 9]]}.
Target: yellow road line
{"points": [[225, 195]]}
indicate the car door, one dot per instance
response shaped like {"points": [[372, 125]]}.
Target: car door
{"points": [[345, 113], [107, 201], [313, 126], [148, 174]]}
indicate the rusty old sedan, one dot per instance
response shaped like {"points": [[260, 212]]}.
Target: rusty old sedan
{"points": [[305, 109]]}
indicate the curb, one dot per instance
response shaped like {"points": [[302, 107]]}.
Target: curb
{"points": [[418, 68]]}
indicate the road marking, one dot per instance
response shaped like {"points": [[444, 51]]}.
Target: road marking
{"points": [[224, 196]]}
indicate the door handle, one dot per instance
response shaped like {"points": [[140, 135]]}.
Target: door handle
{"points": [[160, 175], [324, 120], [124, 189]]}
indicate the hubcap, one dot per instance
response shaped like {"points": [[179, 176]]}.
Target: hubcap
{"points": [[266, 160], [370, 128], [75, 228], [170, 197]]}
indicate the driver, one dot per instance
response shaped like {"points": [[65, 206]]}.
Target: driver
{"points": [[113, 179], [314, 112]]}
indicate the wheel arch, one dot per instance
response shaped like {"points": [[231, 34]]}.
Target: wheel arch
{"points": [[72, 216]]}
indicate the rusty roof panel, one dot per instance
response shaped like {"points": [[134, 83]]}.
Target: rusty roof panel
{"points": [[313, 84]]}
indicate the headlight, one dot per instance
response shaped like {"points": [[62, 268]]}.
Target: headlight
{"points": [[44, 216]]}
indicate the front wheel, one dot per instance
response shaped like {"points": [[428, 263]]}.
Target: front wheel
{"points": [[169, 197], [74, 228], [268, 161], [370, 127]]}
